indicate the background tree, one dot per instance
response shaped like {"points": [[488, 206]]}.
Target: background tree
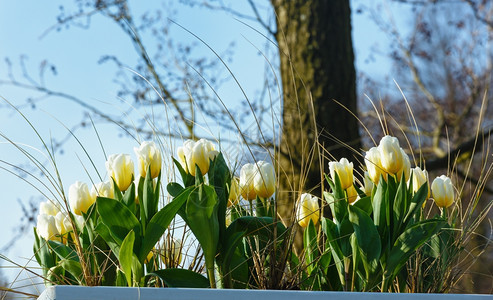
{"points": [[319, 93]]}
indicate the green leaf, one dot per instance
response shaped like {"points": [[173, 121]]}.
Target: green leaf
{"points": [[330, 230], [201, 211], [400, 208], [125, 257], [104, 232], [188, 180], [63, 251], [369, 243], [408, 242], [339, 204], [174, 189], [119, 219], [160, 222], [129, 198], [243, 227], [219, 178], [364, 204], [310, 243], [42, 253], [148, 200], [181, 278], [416, 203], [116, 191], [74, 268]]}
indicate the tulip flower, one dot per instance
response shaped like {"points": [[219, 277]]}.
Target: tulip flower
{"points": [[247, 174], [443, 191], [46, 228], [420, 177], [352, 194], [79, 198], [264, 181], [102, 189], [374, 166], [234, 192], [120, 167], [344, 170], [406, 167], [49, 208], [198, 153], [368, 184], [390, 154], [148, 155], [307, 209]]}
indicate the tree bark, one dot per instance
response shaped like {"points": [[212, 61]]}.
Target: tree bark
{"points": [[317, 67]]}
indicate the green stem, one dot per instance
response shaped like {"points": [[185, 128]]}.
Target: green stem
{"points": [[212, 278]]}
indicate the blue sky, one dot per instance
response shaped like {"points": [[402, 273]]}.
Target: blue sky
{"points": [[75, 53]]}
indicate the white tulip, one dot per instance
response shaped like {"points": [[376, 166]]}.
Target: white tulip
{"points": [[149, 155], [120, 167]]}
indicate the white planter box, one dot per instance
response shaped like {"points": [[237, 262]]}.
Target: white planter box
{"points": [[122, 293]]}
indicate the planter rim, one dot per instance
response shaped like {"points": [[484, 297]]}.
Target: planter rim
{"points": [[64, 292]]}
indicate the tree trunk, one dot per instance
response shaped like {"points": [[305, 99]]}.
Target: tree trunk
{"points": [[317, 67]]}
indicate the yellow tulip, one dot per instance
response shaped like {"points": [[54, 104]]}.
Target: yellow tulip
{"points": [[247, 189], [307, 209], [264, 181], [443, 191], [198, 153], [120, 167], [79, 198], [344, 170], [420, 177], [149, 155], [406, 167], [373, 165], [352, 194], [390, 154], [234, 192]]}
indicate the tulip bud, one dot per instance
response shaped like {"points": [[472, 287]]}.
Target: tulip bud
{"points": [[234, 192], [247, 174], [420, 177], [46, 228], [120, 167], [307, 209], [102, 189], [390, 154], [79, 198], [352, 194], [368, 184], [148, 155], [443, 191], [49, 208], [264, 181], [344, 170], [406, 167], [196, 153], [374, 166]]}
